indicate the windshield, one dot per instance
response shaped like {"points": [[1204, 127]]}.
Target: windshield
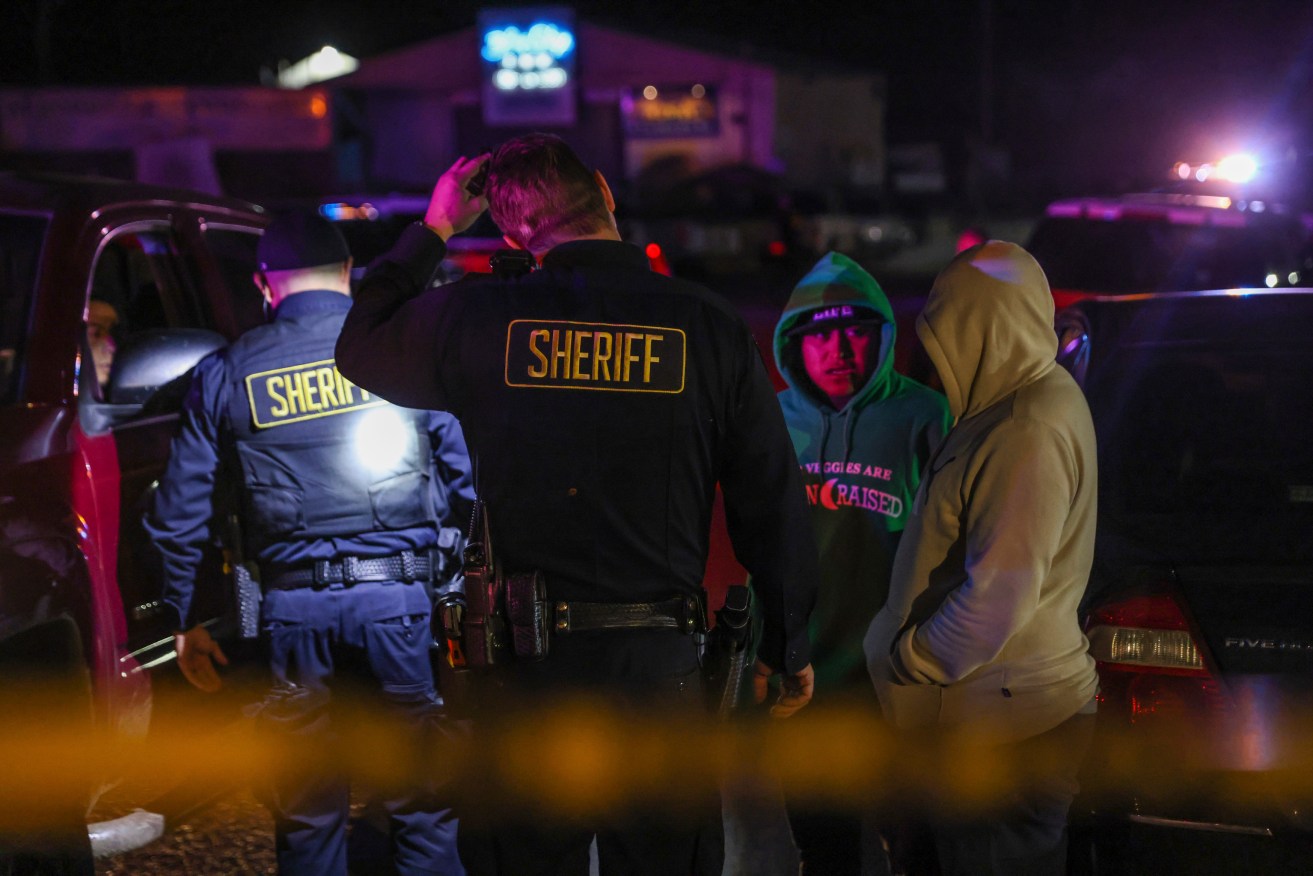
{"points": [[20, 250], [1154, 255], [1204, 415]]}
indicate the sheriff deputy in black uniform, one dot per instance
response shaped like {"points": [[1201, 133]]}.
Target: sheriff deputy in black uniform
{"points": [[343, 498], [602, 404]]}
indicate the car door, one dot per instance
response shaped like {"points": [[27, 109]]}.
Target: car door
{"points": [[145, 277]]}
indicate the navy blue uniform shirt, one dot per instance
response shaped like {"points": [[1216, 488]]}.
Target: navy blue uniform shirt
{"points": [[280, 378], [602, 404]]}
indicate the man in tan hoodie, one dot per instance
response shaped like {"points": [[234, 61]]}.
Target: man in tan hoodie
{"points": [[980, 635]]}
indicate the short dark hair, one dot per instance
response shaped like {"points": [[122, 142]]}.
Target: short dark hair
{"points": [[541, 194]]}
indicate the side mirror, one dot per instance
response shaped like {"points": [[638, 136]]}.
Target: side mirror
{"points": [[1073, 330], [152, 367]]}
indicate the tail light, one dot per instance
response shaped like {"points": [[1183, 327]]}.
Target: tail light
{"points": [[1150, 663]]}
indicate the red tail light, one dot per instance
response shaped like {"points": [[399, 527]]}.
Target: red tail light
{"points": [[1150, 664]]}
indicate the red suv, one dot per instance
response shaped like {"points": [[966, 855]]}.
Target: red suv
{"points": [[109, 293]]}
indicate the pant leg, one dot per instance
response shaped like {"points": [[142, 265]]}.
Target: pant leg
{"points": [[532, 849], [1028, 837], [639, 675], [650, 839], [829, 840], [309, 801], [390, 624]]}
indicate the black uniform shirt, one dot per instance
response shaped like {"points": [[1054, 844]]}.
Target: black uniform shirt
{"points": [[602, 403]]}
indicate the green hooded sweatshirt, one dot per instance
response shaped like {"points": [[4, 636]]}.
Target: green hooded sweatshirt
{"points": [[861, 466]]}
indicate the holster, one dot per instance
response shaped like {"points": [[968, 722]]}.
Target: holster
{"points": [[504, 616], [527, 613], [483, 627], [728, 648]]}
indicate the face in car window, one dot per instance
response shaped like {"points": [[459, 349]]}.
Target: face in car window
{"points": [[102, 318]]}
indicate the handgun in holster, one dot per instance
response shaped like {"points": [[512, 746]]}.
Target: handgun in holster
{"points": [[246, 581], [727, 651], [498, 617]]}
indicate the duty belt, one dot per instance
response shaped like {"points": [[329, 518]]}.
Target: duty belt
{"points": [[405, 566], [681, 613]]}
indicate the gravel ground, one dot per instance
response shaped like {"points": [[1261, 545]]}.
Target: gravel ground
{"points": [[233, 836]]}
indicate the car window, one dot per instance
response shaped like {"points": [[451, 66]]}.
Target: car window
{"points": [[136, 286], [1204, 427], [21, 237], [234, 254]]}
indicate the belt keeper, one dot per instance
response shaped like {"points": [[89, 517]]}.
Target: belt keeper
{"points": [[321, 573], [563, 617], [408, 566], [688, 623], [350, 570]]}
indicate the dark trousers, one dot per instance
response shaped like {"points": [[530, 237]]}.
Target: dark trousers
{"points": [[1027, 835], [332, 650], [833, 842], [836, 840], [636, 675]]}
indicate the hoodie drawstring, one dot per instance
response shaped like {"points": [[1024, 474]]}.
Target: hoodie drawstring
{"points": [[849, 426]]}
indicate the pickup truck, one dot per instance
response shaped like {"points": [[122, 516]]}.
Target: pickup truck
{"points": [[109, 293]]}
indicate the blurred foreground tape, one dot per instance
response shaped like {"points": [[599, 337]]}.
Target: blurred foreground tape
{"points": [[580, 758]]}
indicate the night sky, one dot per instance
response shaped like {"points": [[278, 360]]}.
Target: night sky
{"points": [[1076, 84]]}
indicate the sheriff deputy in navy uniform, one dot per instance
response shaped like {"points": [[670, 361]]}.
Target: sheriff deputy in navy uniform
{"points": [[351, 508], [602, 403]]}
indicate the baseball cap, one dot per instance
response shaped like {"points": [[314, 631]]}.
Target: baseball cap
{"points": [[833, 316], [300, 239]]}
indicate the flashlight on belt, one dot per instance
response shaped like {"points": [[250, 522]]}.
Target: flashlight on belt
{"points": [[449, 615]]}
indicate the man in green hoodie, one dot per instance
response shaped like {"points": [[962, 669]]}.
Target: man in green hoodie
{"points": [[862, 433]]}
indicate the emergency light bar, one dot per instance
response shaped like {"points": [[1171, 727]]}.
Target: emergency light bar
{"points": [[1238, 168]]}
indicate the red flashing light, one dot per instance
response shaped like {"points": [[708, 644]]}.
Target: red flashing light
{"points": [[653, 251], [776, 248]]}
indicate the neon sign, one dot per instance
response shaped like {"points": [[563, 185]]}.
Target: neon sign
{"points": [[528, 59]]}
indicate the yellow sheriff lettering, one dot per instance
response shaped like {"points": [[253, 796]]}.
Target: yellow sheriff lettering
{"points": [[316, 389], [274, 386], [648, 359], [577, 361], [327, 386], [596, 356], [601, 356], [309, 387], [539, 370]]}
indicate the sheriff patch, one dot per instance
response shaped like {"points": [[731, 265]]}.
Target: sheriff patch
{"points": [[595, 355], [304, 392]]}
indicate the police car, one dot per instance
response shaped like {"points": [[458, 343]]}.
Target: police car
{"points": [[1212, 228]]}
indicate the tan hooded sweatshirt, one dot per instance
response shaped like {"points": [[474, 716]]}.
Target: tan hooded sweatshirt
{"points": [[980, 631]]}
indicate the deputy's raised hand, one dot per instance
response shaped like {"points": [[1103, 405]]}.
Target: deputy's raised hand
{"points": [[197, 652], [452, 207]]}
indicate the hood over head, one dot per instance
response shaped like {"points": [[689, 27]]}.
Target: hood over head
{"points": [[988, 325], [834, 285]]}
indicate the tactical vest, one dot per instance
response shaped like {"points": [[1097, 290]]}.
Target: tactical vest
{"points": [[320, 457]]}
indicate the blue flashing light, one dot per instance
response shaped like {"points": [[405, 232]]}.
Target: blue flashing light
{"points": [[541, 37]]}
